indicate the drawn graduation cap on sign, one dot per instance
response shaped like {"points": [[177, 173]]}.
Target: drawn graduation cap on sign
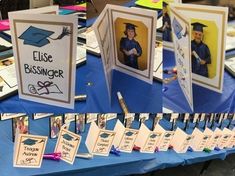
{"points": [[178, 29], [167, 135], [104, 135], [129, 133], [198, 26], [67, 137], [39, 37], [153, 136], [30, 142]]}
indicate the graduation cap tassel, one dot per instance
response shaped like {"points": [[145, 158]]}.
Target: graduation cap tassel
{"points": [[65, 32]]}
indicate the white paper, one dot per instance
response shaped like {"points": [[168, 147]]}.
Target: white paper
{"points": [[58, 89]]}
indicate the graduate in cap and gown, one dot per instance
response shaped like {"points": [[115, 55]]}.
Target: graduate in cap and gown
{"points": [[166, 36], [200, 52], [130, 48]]}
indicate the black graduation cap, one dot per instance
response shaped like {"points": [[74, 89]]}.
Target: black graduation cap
{"points": [[165, 4], [36, 36], [130, 26], [29, 142], [67, 137], [198, 26]]}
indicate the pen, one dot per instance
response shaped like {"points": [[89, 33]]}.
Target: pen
{"points": [[84, 155], [122, 103], [81, 97]]}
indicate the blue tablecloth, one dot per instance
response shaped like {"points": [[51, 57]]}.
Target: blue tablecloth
{"points": [[139, 96], [127, 163], [205, 100]]}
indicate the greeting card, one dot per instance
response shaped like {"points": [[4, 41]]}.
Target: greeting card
{"points": [[126, 38], [199, 37]]}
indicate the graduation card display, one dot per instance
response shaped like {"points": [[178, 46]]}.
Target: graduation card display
{"points": [[203, 29], [126, 38], [45, 52], [166, 28], [29, 150]]}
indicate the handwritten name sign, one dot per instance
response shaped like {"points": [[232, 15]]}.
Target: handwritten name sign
{"points": [[45, 51], [29, 150], [68, 144]]}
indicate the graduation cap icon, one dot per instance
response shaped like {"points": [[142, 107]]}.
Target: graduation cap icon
{"points": [[206, 137], [104, 135], [198, 26], [36, 36], [167, 135], [30, 142], [225, 137], [216, 137], [178, 29], [129, 133], [188, 138], [39, 37], [67, 137], [153, 136]]}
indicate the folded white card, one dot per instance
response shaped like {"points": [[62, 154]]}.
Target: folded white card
{"points": [[166, 138], [29, 150], [130, 54], [125, 137], [99, 141], [203, 64], [181, 141], [44, 48], [200, 140], [147, 140]]}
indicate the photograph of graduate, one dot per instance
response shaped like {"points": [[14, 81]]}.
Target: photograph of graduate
{"points": [[203, 48], [6, 62], [55, 126], [166, 29], [131, 42], [20, 125]]}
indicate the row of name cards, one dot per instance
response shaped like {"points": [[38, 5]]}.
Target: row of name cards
{"points": [[200, 140], [29, 149]]}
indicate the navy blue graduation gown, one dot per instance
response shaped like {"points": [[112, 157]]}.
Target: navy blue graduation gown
{"points": [[166, 36], [204, 53], [126, 44]]}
